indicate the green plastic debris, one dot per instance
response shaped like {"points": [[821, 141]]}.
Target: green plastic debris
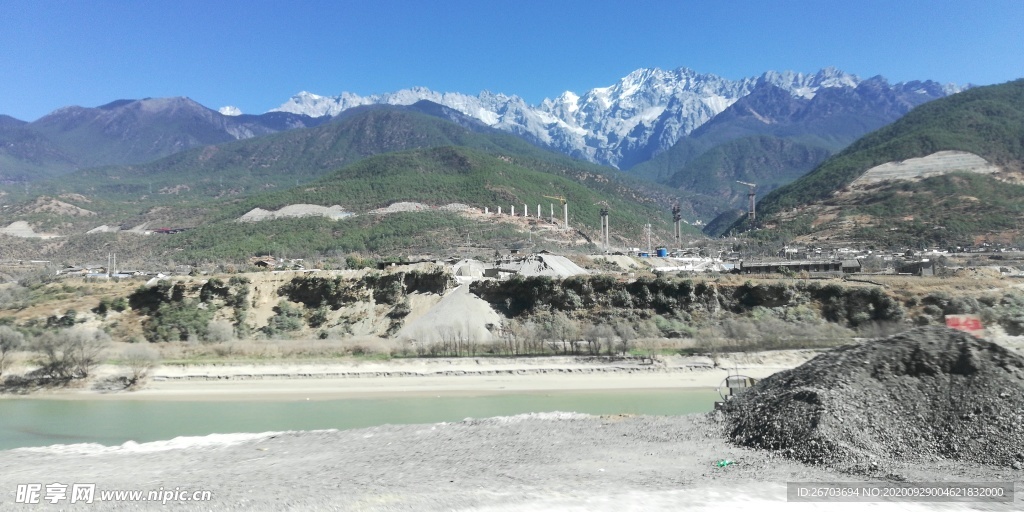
{"points": [[725, 462]]}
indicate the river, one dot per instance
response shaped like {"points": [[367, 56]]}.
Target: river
{"points": [[42, 422]]}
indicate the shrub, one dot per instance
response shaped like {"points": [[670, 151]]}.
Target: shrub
{"points": [[10, 340], [401, 310], [70, 353], [219, 331], [288, 319], [139, 359], [67, 320], [319, 316], [177, 321], [107, 305]]}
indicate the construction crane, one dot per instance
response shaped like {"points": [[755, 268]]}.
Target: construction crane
{"points": [[750, 199], [565, 210]]}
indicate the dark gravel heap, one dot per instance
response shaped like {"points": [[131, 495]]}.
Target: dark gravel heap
{"points": [[928, 393]]}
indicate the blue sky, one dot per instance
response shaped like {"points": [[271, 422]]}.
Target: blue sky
{"points": [[254, 54]]}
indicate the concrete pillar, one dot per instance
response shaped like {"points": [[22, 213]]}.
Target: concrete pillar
{"points": [[499, 210], [486, 210], [513, 210], [526, 211]]}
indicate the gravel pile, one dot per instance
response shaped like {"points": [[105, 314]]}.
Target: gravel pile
{"points": [[458, 207], [401, 207], [927, 394], [295, 210]]}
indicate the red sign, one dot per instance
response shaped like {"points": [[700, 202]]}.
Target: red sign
{"points": [[966, 323]]}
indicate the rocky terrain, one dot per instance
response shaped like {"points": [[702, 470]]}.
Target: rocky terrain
{"points": [[925, 395]]}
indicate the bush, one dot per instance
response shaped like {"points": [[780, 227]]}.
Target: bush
{"points": [[70, 353], [177, 321], [67, 320], [288, 319], [139, 359], [10, 340], [219, 331], [107, 305], [319, 317], [401, 310]]}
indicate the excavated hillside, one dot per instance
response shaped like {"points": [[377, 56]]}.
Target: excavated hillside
{"points": [[929, 393]]}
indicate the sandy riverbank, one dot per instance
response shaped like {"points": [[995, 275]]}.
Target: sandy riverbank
{"points": [[436, 376]]}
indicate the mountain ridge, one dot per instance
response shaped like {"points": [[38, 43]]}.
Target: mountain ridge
{"points": [[622, 125], [123, 132], [639, 116]]}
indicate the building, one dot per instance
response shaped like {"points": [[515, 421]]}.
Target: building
{"points": [[851, 266], [794, 266]]}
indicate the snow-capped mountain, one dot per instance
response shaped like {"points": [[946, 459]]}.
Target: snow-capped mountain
{"points": [[623, 124]]}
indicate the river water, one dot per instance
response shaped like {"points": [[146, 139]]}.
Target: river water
{"points": [[43, 422]]}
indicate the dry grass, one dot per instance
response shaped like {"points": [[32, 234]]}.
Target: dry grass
{"points": [[277, 349]]}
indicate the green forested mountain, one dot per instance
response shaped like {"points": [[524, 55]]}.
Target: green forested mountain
{"points": [[283, 160], [985, 121], [448, 174], [433, 176], [366, 159], [770, 137], [770, 162]]}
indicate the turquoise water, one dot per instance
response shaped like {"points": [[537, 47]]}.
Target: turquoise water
{"points": [[35, 422]]}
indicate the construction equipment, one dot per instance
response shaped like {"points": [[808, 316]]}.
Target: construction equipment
{"points": [[734, 384], [750, 198], [565, 210]]}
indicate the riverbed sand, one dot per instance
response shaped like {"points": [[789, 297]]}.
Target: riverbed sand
{"points": [[434, 376]]}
